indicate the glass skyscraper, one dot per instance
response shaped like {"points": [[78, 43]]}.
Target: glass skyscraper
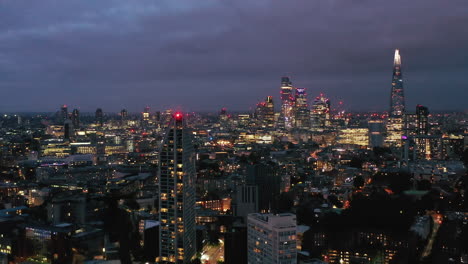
{"points": [[287, 104], [397, 105], [302, 119], [320, 113], [397, 98]]}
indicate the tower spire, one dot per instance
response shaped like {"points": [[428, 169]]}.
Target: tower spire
{"points": [[397, 100], [397, 58]]}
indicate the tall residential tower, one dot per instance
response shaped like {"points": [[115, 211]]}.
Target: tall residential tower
{"points": [[177, 194]]}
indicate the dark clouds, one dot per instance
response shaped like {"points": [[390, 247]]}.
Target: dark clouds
{"points": [[205, 54]]}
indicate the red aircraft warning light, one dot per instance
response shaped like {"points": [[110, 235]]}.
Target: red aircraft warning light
{"points": [[178, 116]]}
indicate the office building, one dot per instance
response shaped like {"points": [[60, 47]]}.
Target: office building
{"points": [[375, 133], [354, 136], [265, 113], [287, 104], [246, 201], [422, 120], [271, 239], [268, 181], [320, 114], [145, 116], [302, 112]]}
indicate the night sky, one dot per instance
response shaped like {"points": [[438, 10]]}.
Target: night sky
{"points": [[201, 55]]}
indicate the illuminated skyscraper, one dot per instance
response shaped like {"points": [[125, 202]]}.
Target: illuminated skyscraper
{"points": [[76, 118], [422, 141], [397, 105], [269, 112], [320, 113], [265, 113], [177, 194], [302, 112], [287, 104], [422, 120], [146, 114], [397, 98], [223, 115]]}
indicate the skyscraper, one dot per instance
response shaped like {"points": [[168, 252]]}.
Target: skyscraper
{"points": [[287, 104], [177, 194], [302, 112], [145, 116], [397, 98], [320, 113], [76, 118], [422, 120], [269, 112], [62, 115], [123, 114], [265, 112], [422, 140], [397, 105], [99, 116], [67, 129], [223, 116]]}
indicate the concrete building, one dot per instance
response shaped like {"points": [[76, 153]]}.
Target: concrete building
{"points": [[271, 239]]}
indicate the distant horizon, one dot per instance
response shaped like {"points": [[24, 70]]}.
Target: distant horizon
{"points": [[212, 112]]}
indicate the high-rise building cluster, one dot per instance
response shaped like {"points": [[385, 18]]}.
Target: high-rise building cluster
{"points": [[305, 182]]}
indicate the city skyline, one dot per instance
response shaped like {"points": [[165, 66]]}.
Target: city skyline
{"points": [[234, 132], [62, 55]]}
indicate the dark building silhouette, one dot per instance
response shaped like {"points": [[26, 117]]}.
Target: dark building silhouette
{"points": [[268, 181], [67, 129], [235, 245], [422, 120], [75, 117], [99, 117]]}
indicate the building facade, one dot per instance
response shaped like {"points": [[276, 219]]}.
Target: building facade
{"points": [[302, 119], [320, 113], [397, 105], [271, 239], [177, 194], [287, 104]]}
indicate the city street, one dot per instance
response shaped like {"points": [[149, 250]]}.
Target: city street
{"points": [[211, 254]]}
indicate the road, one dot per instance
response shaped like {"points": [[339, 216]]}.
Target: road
{"points": [[211, 254], [437, 222]]}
